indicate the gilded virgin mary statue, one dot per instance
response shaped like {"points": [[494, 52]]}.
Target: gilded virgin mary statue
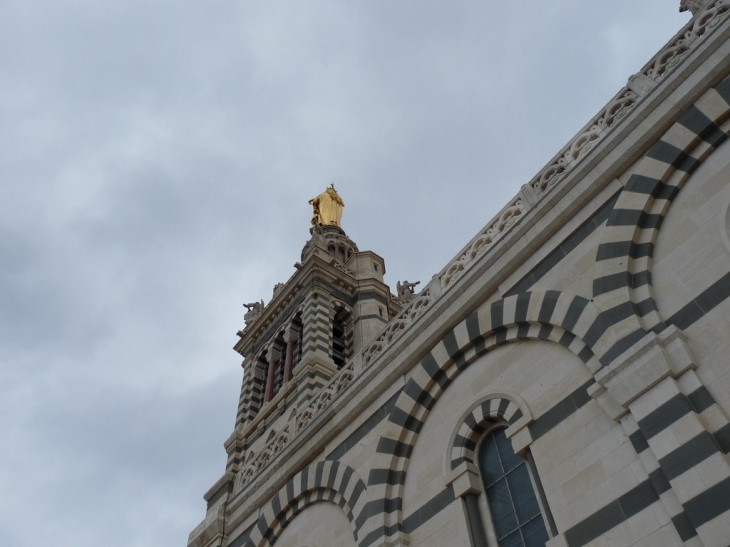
{"points": [[327, 208]]}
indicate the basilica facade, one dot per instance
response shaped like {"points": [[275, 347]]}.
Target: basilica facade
{"points": [[563, 381]]}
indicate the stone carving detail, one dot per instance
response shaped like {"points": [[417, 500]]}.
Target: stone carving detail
{"points": [[711, 12], [406, 290], [692, 5], [258, 461], [486, 238], [395, 328], [584, 141], [336, 385], [254, 311], [670, 56], [617, 109], [277, 289], [343, 269], [261, 459]]}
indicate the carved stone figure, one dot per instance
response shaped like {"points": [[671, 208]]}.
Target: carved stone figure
{"points": [[406, 290], [277, 289], [318, 237], [254, 310], [692, 5], [327, 208]]}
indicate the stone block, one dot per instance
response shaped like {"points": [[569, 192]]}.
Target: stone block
{"points": [[465, 480]]}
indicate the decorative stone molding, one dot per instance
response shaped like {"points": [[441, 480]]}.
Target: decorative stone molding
{"points": [[640, 368], [494, 410], [639, 85], [507, 218], [395, 328], [397, 300], [261, 459], [335, 386], [687, 39], [329, 481], [258, 461], [342, 268], [465, 480]]}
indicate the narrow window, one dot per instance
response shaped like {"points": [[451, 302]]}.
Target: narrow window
{"points": [[511, 497], [338, 342]]}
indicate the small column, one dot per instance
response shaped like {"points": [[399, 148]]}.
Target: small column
{"points": [[274, 357], [290, 343]]}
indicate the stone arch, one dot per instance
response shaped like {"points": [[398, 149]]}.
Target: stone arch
{"points": [[327, 481], [493, 409], [624, 257], [563, 318]]}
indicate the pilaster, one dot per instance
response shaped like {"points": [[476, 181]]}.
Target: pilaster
{"points": [[653, 391]]}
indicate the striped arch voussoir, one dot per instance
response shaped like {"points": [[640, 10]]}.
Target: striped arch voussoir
{"points": [[324, 482], [623, 274], [477, 422], [555, 316]]}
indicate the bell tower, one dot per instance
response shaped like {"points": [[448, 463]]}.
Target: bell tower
{"points": [[334, 304]]}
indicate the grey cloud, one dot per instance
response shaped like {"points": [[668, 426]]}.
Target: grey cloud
{"points": [[156, 160]]}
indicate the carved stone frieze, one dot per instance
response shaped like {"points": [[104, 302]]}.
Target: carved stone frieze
{"points": [[261, 459], [486, 238], [709, 14], [670, 56], [395, 328]]}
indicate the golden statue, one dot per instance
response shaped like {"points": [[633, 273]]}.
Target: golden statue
{"points": [[327, 208]]}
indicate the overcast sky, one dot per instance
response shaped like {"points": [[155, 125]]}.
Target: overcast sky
{"points": [[156, 159]]}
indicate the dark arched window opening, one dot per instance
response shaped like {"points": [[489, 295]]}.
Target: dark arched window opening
{"points": [[340, 338], [297, 350], [338, 343], [511, 497], [279, 372]]}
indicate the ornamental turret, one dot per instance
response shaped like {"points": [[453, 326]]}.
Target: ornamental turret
{"points": [[313, 327]]}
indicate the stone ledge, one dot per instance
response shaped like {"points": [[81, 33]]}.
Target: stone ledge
{"points": [[210, 530], [465, 480]]}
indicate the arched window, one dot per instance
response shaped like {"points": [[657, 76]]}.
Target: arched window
{"points": [[279, 372], [297, 352], [511, 497], [340, 350]]}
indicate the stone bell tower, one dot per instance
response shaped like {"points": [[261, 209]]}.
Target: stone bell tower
{"points": [[334, 304]]}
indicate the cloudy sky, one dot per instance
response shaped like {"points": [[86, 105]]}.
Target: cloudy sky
{"points": [[156, 159]]}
